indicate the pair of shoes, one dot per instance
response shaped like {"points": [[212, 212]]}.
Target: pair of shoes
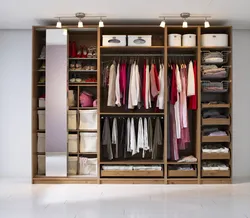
{"points": [[92, 52]]}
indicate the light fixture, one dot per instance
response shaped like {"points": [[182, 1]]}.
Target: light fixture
{"points": [[163, 23], [101, 24], [80, 24], [59, 24], [206, 23], [184, 24]]}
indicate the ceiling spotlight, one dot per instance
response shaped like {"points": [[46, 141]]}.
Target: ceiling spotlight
{"points": [[101, 24], [206, 23], [163, 23], [185, 24], [59, 24], [80, 24]]}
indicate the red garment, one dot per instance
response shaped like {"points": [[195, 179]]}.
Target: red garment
{"points": [[123, 81], [173, 95], [73, 50], [192, 100], [70, 49], [144, 85], [156, 78]]}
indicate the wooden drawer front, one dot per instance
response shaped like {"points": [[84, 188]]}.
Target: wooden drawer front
{"points": [[184, 182], [216, 121], [131, 173], [215, 156], [215, 105], [182, 173], [216, 138], [131, 181], [219, 181], [216, 173]]}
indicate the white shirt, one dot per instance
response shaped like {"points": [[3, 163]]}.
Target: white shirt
{"points": [[133, 145], [191, 80], [111, 89], [117, 87], [160, 99], [177, 104], [140, 137]]}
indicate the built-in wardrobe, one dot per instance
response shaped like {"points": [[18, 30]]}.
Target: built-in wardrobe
{"points": [[132, 104]]}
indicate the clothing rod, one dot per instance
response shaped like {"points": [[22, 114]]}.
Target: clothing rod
{"points": [[132, 55], [180, 55]]}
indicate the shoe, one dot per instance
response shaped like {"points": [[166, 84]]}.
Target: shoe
{"points": [[84, 52]]}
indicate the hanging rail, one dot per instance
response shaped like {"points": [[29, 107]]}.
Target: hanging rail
{"points": [[132, 55], [180, 55]]}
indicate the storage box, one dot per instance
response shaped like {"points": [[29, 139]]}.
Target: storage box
{"points": [[213, 40], [41, 102], [216, 138], [216, 173], [41, 120], [114, 40], [132, 173], [88, 166], [72, 143], [41, 164], [174, 39], [88, 120], [72, 165], [40, 142], [72, 120], [216, 121], [88, 142], [189, 40], [182, 173], [71, 98], [215, 156], [139, 40]]}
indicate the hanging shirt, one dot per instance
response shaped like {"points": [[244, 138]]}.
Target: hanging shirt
{"points": [[147, 89], [111, 89], [177, 103], [132, 87], [123, 81], [160, 99], [133, 145], [115, 136], [145, 133], [154, 90], [117, 87], [173, 97], [150, 134], [157, 138], [192, 103], [140, 138], [191, 80], [128, 135], [106, 138]]}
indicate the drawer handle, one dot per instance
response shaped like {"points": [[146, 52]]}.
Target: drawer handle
{"points": [[214, 36], [140, 41], [114, 40]]}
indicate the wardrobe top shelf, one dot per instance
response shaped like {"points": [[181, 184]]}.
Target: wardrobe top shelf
{"points": [[131, 48], [216, 48]]}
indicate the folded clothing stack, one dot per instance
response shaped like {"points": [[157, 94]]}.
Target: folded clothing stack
{"points": [[130, 168], [216, 148], [181, 167], [213, 57], [188, 159], [212, 71], [214, 165], [213, 114], [208, 86], [214, 131]]}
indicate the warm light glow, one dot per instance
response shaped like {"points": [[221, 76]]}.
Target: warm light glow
{"points": [[163, 23], [184, 24], [59, 24], [80, 24], [206, 24], [101, 24]]}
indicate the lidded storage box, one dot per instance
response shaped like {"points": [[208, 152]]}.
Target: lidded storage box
{"points": [[220, 40], [139, 40], [41, 119], [114, 40], [174, 39], [189, 40], [72, 142], [72, 120]]}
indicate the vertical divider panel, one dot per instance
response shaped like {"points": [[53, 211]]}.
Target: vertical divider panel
{"points": [[198, 113], [165, 104], [98, 102]]}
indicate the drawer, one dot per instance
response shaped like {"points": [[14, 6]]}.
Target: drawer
{"points": [[139, 40], [114, 40], [216, 138], [180, 182], [216, 173], [213, 40], [132, 173], [215, 156], [182, 173], [216, 121], [216, 181]]}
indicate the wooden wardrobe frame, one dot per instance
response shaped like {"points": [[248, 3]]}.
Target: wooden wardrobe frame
{"points": [[36, 39]]}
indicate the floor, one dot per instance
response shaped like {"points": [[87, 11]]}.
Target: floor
{"points": [[20, 199]]}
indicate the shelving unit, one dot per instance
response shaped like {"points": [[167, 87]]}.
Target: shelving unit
{"points": [[160, 49]]}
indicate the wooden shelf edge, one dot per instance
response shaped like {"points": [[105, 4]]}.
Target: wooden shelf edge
{"points": [[132, 162], [184, 163]]}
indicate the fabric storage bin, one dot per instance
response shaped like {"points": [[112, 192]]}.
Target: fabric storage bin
{"points": [[174, 39], [71, 98], [214, 40], [72, 142], [40, 142], [72, 165], [72, 120], [41, 164], [139, 40], [41, 120], [114, 40], [41, 102], [88, 120], [189, 40], [88, 142], [88, 166]]}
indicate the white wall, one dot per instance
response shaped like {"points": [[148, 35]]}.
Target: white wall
{"points": [[15, 99]]}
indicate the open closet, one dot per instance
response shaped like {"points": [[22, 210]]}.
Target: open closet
{"points": [[139, 104]]}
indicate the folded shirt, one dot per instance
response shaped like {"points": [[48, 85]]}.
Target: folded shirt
{"points": [[214, 148], [218, 133], [213, 57], [181, 167], [214, 165], [187, 159], [213, 114]]}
